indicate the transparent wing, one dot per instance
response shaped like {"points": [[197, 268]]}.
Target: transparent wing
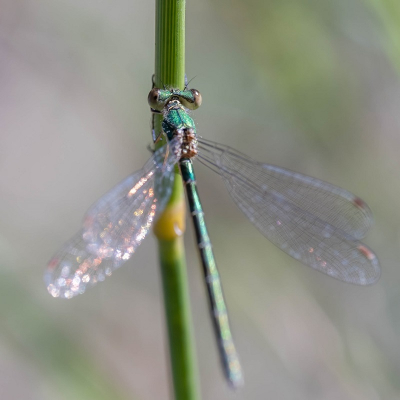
{"points": [[315, 222], [113, 227], [73, 269], [117, 223]]}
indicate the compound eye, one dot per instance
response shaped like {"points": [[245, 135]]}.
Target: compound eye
{"points": [[191, 99], [197, 99], [154, 99]]}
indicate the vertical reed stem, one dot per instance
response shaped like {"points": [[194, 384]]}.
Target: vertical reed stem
{"points": [[169, 229]]}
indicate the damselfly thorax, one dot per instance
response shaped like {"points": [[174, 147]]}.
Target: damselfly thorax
{"points": [[188, 148], [177, 123]]}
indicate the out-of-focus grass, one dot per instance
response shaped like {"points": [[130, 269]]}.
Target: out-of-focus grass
{"points": [[64, 366], [388, 12], [297, 50]]}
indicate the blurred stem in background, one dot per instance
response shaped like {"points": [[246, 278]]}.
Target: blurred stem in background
{"points": [[389, 13], [169, 229]]}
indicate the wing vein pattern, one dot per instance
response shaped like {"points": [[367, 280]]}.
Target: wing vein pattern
{"points": [[313, 221], [114, 226]]}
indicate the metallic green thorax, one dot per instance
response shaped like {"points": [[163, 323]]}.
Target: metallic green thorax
{"points": [[176, 117]]}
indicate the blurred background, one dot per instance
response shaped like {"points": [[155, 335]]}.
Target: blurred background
{"points": [[309, 85]]}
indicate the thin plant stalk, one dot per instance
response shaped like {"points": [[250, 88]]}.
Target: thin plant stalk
{"points": [[170, 227]]}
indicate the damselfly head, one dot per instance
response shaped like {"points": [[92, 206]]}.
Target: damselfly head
{"points": [[159, 98]]}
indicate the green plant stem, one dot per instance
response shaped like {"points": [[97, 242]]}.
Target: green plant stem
{"points": [[177, 307], [169, 229], [170, 43]]}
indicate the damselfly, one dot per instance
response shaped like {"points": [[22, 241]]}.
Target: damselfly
{"points": [[315, 222]]}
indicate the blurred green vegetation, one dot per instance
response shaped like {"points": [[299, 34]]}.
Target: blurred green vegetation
{"points": [[388, 14], [62, 363]]}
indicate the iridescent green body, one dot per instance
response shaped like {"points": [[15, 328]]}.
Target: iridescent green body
{"points": [[177, 122], [176, 118], [219, 313]]}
